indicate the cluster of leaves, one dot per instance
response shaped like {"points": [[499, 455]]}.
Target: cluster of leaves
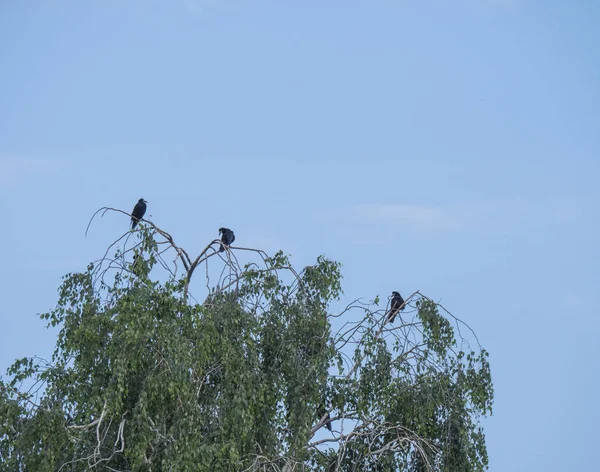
{"points": [[415, 400], [143, 380]]}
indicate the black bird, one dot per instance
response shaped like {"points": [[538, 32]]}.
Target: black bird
{"points": [[227, 237], [139, 266], [321, 411], [397, 305], [139, 210]]}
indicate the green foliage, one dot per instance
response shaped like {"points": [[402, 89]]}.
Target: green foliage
{"points": [[143, 380]]}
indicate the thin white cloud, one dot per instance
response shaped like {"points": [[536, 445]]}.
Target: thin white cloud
{"points": [[202, 6], [568, 213], [506, 4], [379, 222], [511, 215], [414, 217], [193, 6], [13, 169]]}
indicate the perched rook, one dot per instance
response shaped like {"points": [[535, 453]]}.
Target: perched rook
{"points": [[139, 210], [321, 411], [397, 305], [227, 237]]}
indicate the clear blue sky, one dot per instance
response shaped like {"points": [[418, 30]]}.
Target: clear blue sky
{"points": [[446, 146]]}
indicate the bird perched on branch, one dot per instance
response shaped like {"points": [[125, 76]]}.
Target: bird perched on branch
{"points": [[139, 210], [321, 411], [227, 237], [397, 305]]}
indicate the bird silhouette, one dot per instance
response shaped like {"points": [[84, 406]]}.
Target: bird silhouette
{"points": [[139, 210], [321, 411], [397, 305], [227, 237]]}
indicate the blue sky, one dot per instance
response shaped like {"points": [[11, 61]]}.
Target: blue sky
{"points": [[450, 147]]}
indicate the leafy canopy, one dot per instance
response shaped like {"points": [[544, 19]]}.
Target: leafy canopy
{"points": [[146, 378]]}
